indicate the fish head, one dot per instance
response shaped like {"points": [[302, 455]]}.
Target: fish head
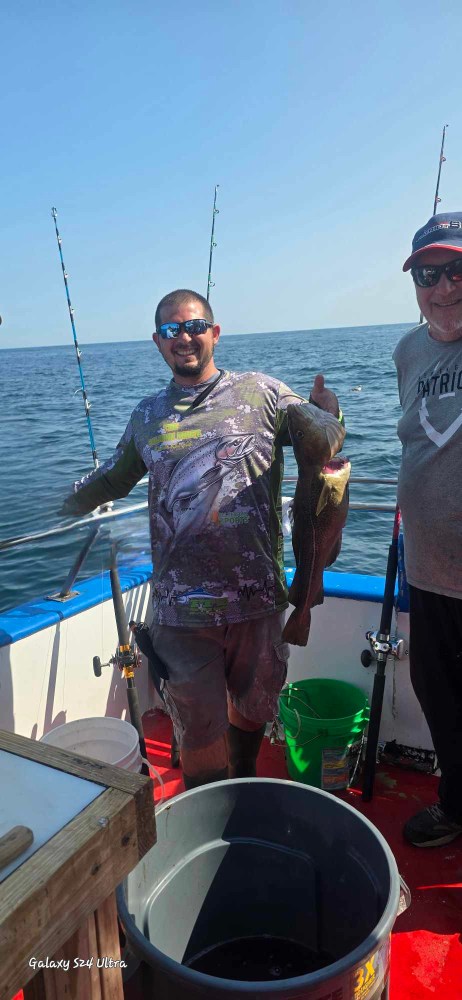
{"points": [[316, 435], [233, 448]]}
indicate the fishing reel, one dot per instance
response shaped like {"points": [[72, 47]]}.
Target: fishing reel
{"points": [[125, 658], [386, 646]]}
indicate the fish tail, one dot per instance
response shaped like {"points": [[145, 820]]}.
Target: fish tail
{"points": [[297, 628]]}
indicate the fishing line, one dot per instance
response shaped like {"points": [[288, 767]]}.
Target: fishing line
{"points": [[86, 401], [124, 657], [210, 283]]}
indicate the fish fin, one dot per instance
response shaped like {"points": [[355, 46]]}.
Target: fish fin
{"points": [[323, 498], [335, 434], [210, 476], [297, 629]]}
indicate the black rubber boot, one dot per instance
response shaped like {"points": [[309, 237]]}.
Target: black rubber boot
{"points": [[243, 747], [204, 779]]}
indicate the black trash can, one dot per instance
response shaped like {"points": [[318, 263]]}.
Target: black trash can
{"points": [[262, 888]]}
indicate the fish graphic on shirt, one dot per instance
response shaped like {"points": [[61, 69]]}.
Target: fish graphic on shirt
{"points": [[197, 478]]}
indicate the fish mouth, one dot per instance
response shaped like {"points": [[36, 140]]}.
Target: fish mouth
{"points": [[336, 465]]}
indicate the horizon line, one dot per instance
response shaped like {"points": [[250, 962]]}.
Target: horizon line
{"points": [[260, 333]]}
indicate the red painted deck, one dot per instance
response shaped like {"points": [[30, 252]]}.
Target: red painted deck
{"points": [[427, 939], [426, 954]]}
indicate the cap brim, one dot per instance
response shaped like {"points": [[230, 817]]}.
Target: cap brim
{"points": [[431, 246]]}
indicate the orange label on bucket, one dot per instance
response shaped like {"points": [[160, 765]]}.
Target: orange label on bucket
{"points": [[370, 974], [364, 978]]}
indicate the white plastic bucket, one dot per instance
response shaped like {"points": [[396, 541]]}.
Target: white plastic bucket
{"points": [[110, 740]]}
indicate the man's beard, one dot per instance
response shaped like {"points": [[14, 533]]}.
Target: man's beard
{"points": [[193, 370]]}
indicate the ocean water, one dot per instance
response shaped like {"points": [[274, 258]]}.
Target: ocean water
{"points": [[45, 444]]}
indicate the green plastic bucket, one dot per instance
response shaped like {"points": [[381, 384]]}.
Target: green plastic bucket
{"points": [[323, 724]]}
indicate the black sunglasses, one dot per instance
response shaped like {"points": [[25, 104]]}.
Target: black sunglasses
{"points": [[430, 274], [168, 331]]}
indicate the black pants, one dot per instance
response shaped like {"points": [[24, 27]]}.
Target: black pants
{"points": [[435, 650]]}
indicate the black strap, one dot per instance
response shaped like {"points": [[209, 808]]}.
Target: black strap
{"points": [[202, 395]]}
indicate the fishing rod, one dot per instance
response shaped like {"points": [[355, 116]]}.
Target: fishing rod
{"points": [[125, 658], [86, 401], [437, 198], [441, 161], [382, 647], [215, 212]]}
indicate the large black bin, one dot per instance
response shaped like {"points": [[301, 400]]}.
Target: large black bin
{"points": [[266, 863]]}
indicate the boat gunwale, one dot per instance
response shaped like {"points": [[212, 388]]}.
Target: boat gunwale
{"points": [[34, 616]]}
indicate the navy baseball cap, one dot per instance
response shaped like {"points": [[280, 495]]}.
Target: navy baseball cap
{"points": [[443, 231]]}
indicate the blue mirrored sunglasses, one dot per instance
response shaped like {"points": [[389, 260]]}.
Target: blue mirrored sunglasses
{"points": [[168, 331]]}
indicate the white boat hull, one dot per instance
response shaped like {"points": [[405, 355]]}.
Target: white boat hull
{"points": [[47, 678]]}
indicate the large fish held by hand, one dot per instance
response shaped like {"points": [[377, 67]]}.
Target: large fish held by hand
{"points": [[320, 509]]}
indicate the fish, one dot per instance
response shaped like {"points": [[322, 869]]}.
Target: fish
{"points": [[196, 480], [319, 511], [195, 595], [206, 465]]}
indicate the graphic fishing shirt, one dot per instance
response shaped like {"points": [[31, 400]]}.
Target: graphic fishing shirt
{"points": [[215, 475], [430, 479]]}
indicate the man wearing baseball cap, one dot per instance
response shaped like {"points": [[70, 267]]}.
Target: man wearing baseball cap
{"points": [[429, 364]]}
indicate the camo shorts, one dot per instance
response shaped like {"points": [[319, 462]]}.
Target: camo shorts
{"points": [[245, 662]]}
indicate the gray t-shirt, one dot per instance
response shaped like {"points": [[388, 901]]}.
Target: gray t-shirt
{"points": [[430, 481]]}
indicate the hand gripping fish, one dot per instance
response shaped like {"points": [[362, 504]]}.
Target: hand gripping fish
{"points": [[320, 510]]}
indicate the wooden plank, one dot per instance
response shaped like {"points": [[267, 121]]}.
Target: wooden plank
{"points": [[76, 971], [35, 989], [82, 982], [47, 899], [64, 760], [137, 785], [108, 946]]}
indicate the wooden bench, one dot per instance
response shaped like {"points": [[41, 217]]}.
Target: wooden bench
{"points": [[91, 824]]}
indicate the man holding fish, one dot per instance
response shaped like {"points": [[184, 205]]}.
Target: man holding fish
{"points": [[429, 365], [212, 442]]}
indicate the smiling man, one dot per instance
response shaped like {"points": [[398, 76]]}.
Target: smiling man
{"points": [[429, 365], [212, 442], [189, 355]]}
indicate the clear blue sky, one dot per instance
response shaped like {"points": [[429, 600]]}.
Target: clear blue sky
{"points": [[320, 121]]}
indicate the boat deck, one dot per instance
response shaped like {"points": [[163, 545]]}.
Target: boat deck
{"points": [[426, 952], [427, 939]]}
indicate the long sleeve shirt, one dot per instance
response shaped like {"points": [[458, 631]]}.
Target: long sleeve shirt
{"points": [[215, 474]]}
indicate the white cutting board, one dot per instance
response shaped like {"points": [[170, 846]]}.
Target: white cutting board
{"points": [[41, 798]]}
